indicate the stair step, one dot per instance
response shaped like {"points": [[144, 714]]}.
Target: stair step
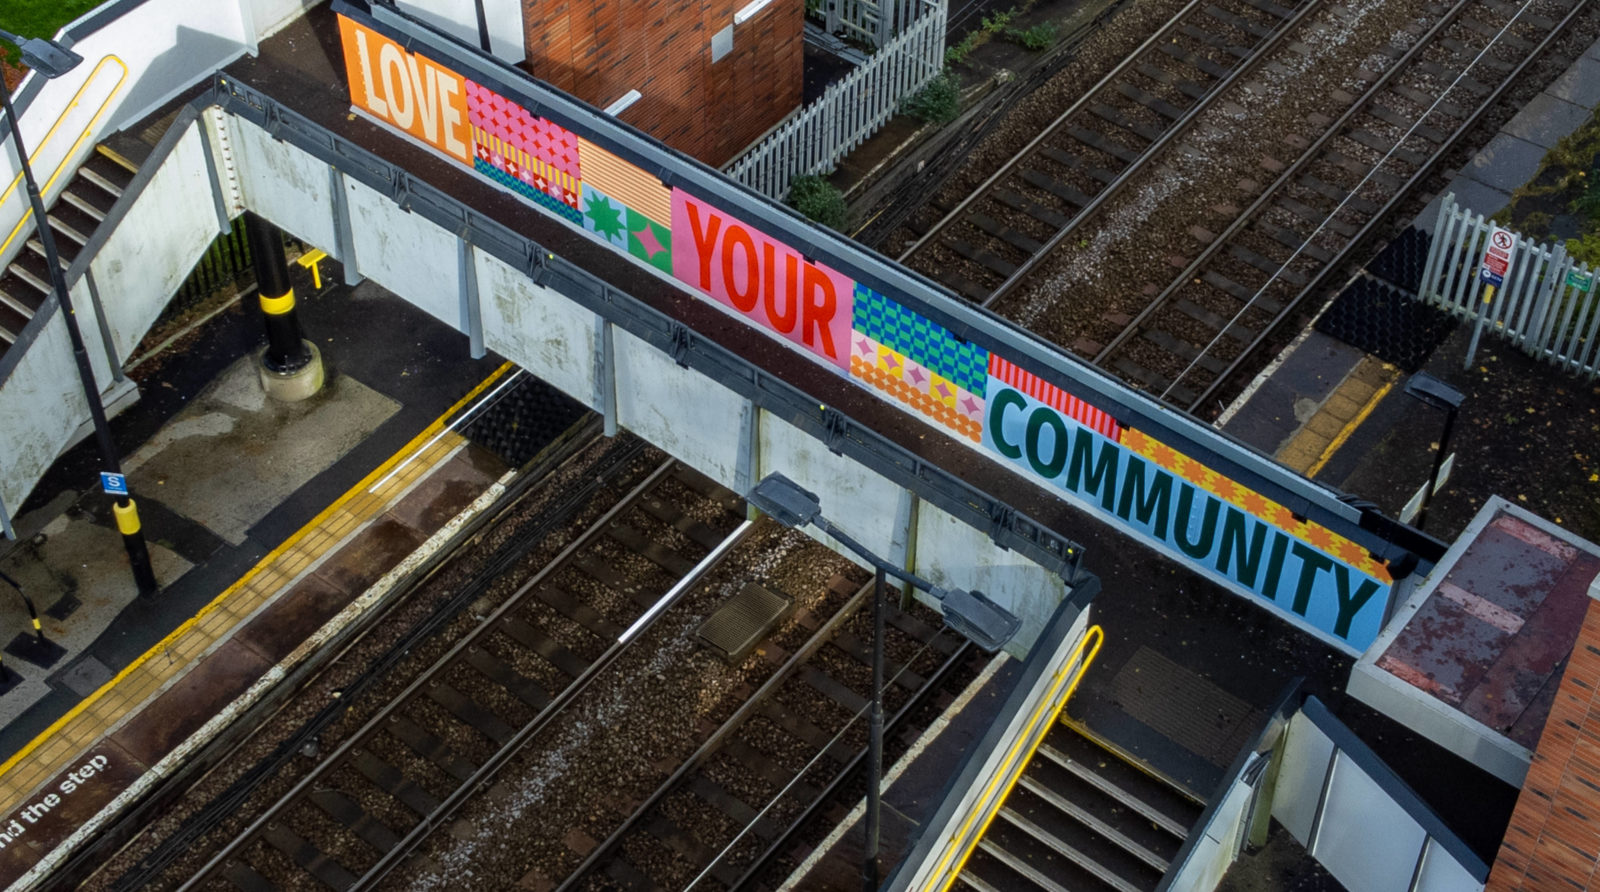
{"points": [[1085, 851], [100, 180], [1076, 809], [16, 306], [84, 205], [27, 276], [62, 252], [117, 158], [67, 230], [1158, 801]]}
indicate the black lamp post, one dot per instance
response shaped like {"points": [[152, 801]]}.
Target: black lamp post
{"points": [[52, 60], [1439, 395], [972, 614]]}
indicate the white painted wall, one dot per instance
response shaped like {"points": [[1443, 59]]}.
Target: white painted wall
{"points": [[137, 274], [858, 501], [405, 253], [459, 19], [537, 328], [284, 185], [677, 409], [40, 406]]}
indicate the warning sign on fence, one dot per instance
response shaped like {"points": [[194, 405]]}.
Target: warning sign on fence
{"points": [[1497, 256]]}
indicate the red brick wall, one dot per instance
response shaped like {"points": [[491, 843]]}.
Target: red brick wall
{"points": [[597, 50]]}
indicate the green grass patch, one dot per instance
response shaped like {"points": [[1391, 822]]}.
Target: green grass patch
{"points": [[1562, 202], [39, 18], [819, 200]]}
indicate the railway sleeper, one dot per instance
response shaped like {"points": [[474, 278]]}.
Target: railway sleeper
{"points": [[921, 631], [389, 779], [893, 673], [1294, 242], [765, 768], [1382, 178], [1280, 13], [1426, 100], [1060, 190], [534, 639], [430, 746], [471, 713], [1315, 216], [1382, 144], [1100, 143], [1215, 41], [600, 570], [244, 878], [697, 531], [1119, 118], [1019, 240], [308, 857], [1338, 193], [1390, 116], [1453, 76], [565, 603], [1177, 82], [984, 258], [1238, 22], [1074, 162], [349, 813], [707, 488], [1487, 60], [832, 688], [1183, 349], [500, 672], [1240, 293], [1151, 101], [1267, 265], [689, 847], [1238, 331], [742, 813], [627, 875], [1032, 208], [802, 729], [1196, 61], [645, 546], [1151, 381]]}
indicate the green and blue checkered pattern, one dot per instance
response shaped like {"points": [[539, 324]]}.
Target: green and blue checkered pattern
{"points": [[554, 206], [922, 341]]}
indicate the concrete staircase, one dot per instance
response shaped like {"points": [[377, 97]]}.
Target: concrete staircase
{"points": [[1082, 818], [77, 213]]}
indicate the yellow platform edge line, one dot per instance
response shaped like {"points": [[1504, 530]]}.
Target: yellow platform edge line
{"points": [[1349, 429], [294, 538]]}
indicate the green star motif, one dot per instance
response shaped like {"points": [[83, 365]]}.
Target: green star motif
{"points": [[606, 217]]}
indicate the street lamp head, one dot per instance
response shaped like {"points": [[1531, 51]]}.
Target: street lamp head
{"points": [[786, 501], [1433, 392], [986, 623], [47, 57]]}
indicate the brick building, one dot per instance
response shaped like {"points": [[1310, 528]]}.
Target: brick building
{"points": [[709, 86]]}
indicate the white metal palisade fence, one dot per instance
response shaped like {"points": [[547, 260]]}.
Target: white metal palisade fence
{"points": [[850, 110], [874, 22], [1544, 307]]}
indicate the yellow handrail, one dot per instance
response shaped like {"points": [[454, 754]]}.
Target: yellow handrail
{"points": [[1068, 676], [56, 174]]}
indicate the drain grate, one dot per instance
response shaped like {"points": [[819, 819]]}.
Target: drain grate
{"points": [[740, 624], [1374, 316]]}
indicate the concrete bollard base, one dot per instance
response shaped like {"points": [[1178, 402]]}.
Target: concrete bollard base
{"points": [[292, 387]]}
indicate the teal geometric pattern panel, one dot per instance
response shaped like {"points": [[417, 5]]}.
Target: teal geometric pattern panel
{"points": [[921, 340], [555, 206]]}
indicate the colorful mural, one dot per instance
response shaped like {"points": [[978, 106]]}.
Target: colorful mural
{"points": [[1228, 532]]}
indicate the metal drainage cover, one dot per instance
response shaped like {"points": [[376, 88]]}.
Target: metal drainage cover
{"points": [[737, 626]]}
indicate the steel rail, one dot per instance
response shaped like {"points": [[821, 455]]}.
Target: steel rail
{"points": [[1400, 194], [371, 726], [1166, 30], [1179, 127], [1267, 195], [706, 750]]}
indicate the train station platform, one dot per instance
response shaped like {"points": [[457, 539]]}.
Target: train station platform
{"points": [[275, 529]]}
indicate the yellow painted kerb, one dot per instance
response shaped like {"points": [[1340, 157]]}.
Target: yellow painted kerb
{"points": [[266, 562]]}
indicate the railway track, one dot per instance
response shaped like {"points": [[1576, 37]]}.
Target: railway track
{"points": [[352, 818], [1243, 273], [730, 815]]}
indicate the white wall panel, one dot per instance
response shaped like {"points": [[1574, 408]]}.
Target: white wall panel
{"points": [[1441, 872], [136, 274], [955, 555], [459, 19], [30, 436], [1305, 763], [858, 501], [536, 328], [284, 184], [681, 411], [1365, 839], [406, 254]]}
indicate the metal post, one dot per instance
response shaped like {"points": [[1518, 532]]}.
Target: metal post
{"points": [[33, 614], [286, 347], [125, 511], [869, 861], [1477, 328], [1438, 462]]}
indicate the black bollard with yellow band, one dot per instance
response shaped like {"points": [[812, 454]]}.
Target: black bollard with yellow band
{"points": [[291, 366], [126, 512]]}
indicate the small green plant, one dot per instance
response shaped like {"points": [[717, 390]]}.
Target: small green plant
{"points": [[1588, 201], [1039, 37], [987, 28], [819, 200], [938, 102]]}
